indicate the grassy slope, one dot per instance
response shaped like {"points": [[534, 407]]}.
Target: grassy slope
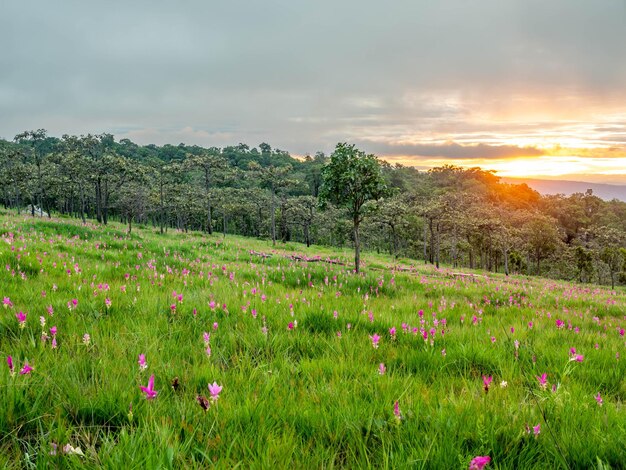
{"points": [[305, 397]]}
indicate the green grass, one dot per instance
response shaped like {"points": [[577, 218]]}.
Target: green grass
{"points": [[301, 398]]}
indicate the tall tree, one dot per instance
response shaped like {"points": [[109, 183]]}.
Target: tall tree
{"points": [[351, 179], [277, 180], [209, 162]]}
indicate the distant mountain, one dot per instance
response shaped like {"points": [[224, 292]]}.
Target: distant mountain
{"points": [[604, 191]]}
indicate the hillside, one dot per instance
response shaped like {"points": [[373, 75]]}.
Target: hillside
{"points": [[186, 350], [546, 186]]}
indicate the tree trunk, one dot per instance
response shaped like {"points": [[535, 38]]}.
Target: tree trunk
{"points": [[438, 247], [99, 200], [538, 262], [357, 247], [105, 203], [425, 235], [82, 204], [273, 217], [432, 242], [506, 262], [207, 187]]}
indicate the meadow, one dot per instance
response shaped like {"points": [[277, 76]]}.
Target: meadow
{"points": [[283, 357]]}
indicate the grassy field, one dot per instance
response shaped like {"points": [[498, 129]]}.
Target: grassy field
{"points": [[319, 367]]}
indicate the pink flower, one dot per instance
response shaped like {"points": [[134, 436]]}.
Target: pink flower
{"points": [[149, 390], [11, 366], [530, 325], [26, 369], [599, 399], [214, 390], [6, 302], [392, 332], [215, 325], [396, 410], [207, 338], [21, 318], [486, 382], [375, 339], [537, 429], [142, 362], [559, 323], [542, 380], [107, 302], [381, 368], [578, 358], [290, 326], [478, 463]]}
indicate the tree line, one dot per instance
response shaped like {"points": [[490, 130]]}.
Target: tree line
{"points": [[460, 217]]}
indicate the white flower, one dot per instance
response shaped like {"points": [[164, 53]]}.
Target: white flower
{"points": [[504, 384]]}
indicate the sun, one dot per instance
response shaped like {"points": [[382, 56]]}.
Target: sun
{"points": [[540, 166]]}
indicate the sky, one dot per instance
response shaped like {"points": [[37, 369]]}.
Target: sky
{"points": [[524, 87]]}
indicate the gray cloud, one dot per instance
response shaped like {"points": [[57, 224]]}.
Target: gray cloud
{"points": [[453, 150], [304, 75]]}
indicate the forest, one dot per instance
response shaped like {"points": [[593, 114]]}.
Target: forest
{"points": [[448, 215]]}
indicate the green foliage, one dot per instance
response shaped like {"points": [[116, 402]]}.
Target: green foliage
{"points": [[463, 217], [306, 397]]}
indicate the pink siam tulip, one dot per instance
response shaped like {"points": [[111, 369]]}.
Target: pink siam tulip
{"points": [[214, 390], [486, 382], [382, 369], [26, 369], [375, 339], [599, 399], [11, 366], [542, 380], [396, 411], [142, 362], [392, 332], [537, 429], [149, 390], [21, 318], [6, 302], [478, 463]]}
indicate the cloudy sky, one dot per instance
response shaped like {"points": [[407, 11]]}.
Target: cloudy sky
{"points": [[525, 87]]}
